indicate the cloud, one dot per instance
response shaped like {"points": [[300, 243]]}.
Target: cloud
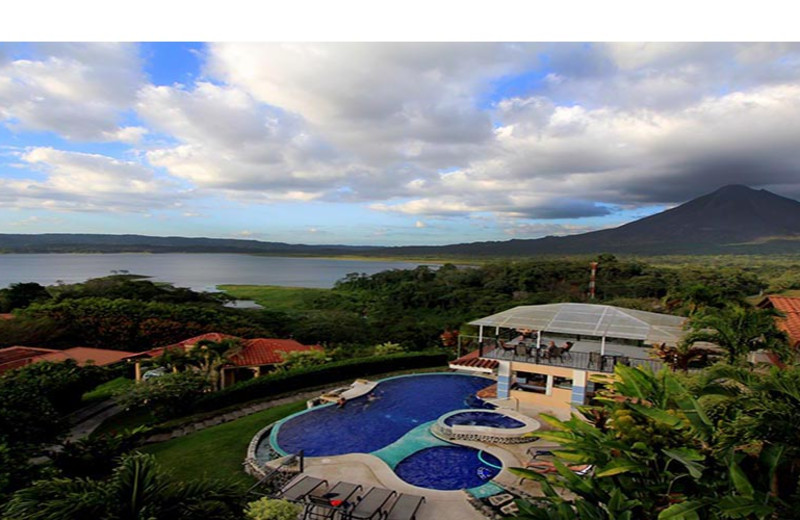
{"points": [[226, 140], [420, 224], [79, 91], [386, 104], [538, 230], [87, 182]]}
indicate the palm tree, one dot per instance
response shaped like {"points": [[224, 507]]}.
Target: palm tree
{"points": [[739, 330], [210, 356], [137, 490]]}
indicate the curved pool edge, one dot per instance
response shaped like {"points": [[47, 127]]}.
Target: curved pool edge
{"points": [[277, 425]]}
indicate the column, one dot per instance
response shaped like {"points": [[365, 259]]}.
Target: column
{"points": [[503, 380], [549, 389], [579, 383]]}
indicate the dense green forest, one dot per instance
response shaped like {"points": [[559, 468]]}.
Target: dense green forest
{"points": [[409, 307]]}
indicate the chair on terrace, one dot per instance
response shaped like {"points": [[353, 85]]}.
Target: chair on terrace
{"points": [[370, 505], [326, 506], [300, 487], [405, 507]]}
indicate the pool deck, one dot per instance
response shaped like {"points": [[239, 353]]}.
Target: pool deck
{"points": [[369, 470]]}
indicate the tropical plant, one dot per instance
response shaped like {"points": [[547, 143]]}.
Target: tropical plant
{"points": [[739, 330], [210, 356], [384, 349], [653, 457], [137, 490], [272, 509], [682, 355]]}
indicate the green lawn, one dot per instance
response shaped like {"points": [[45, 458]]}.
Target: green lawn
{"points": [[106, 390], [219, 451], [274, 297]]}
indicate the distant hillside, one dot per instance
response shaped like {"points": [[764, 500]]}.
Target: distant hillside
{"points": [[733, 219], [90, 243]]}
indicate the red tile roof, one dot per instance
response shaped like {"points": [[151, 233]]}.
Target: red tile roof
{"points": [[790, 307], [472, 360], [85, 355], [263, 351], [211, 336], [255, 352], [15, 357]]}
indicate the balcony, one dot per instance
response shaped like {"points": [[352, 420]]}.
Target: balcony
{"points": [[584, 355]]}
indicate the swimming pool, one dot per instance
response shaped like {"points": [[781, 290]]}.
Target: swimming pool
{"points": [[448, 468], [364, 425], [479, 418]]}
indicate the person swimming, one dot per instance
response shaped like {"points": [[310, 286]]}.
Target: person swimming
{"points": [[372, 397], [341, 402]]}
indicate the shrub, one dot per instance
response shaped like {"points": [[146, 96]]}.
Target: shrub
{"points": [[384, 349], [271, 509], [292, 380], [303, 359], [170, 395]]}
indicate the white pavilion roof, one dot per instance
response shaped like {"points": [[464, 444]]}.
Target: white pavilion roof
{"points": [[591, 320]]}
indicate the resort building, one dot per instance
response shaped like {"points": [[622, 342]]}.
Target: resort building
{"points": [[256, 357], [545, 355], [19, 356]]}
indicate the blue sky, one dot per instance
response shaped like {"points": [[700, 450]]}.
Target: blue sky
{"points": [[385, 144]]}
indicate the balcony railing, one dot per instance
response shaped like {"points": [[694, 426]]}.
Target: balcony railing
{"points": [[593, 361]]}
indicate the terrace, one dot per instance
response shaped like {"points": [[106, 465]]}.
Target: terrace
{"points": [[584, 354]]}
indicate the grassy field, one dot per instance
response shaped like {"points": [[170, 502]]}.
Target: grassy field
{"points": [[217, 452], [106, 390], [275, 297]]}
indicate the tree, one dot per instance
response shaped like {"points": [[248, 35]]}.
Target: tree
{"points": [[138, 489], [739, 330], [21, 295]]}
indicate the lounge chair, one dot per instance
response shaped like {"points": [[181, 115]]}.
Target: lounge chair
{"points": [[319, 508], [405, 507], [300, 487], [341, 492], [371, 504]]}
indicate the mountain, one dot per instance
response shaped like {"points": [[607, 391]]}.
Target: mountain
{"points": [[734, 219]]}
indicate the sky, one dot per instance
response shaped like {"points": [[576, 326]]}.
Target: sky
{"points": [[385, 143]]}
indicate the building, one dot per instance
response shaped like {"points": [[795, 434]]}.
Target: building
{"points": [[545, 355], [255, 358], [790, 322], [19, 356]]}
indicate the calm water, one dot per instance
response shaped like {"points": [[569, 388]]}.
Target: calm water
{"points": [[198, 271], [362, 426]]}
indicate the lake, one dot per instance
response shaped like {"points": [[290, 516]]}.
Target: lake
{"points": [[201, 272]]}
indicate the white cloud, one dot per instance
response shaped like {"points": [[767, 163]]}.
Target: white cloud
{"points": [[229, 141], [87, 182], [420, 224], [76, 90]]}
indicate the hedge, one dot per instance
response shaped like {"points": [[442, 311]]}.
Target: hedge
{"points": [[298, 379]]}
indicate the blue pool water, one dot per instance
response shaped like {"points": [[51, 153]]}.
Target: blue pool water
{"points": [[448, 468], [495, 420], [362, 426]]}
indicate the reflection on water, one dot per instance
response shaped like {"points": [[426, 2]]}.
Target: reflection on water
{"points": [[202, 272]]}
